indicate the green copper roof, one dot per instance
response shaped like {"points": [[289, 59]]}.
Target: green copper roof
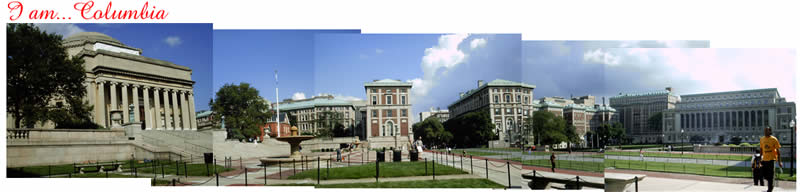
{"points": [[315, 102], [496, 82], [387, 83], [205, 113], [652, 93], [729, 92]]}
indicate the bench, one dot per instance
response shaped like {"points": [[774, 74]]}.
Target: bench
{"points": [[620, 181], [101, 167], [542, 179]]}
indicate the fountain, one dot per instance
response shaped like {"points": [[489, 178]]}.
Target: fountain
{"points": [[294, 151], [294, 140]]}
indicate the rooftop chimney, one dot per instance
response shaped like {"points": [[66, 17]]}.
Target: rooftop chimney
{"points": [[480, 83]]}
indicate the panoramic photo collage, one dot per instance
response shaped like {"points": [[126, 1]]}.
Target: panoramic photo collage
{"points": [[184, 104]]}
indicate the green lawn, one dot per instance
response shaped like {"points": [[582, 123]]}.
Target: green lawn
{"points": [[735, 157], [688, 168], [449, 183], [393, 169], [564, 164]]}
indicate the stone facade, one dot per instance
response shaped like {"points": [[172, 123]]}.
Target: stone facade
{"points": [[721, 116], [388, 111], [636, 109], [507, 102], [443, 115], [156, 93], [309, 111]]}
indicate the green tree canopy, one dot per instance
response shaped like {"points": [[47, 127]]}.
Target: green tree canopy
{"points": [[244, 111], [40, 71], [611, 134], [432, 131], [472, 129]]}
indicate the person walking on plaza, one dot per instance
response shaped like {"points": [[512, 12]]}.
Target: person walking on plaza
{"points": [[755, 166], [339, 154], [553, 162], [769, 154]]}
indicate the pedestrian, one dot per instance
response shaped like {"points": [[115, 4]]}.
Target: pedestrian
{"points": [[770, 152], [641, 154], [339, 154], [755, 166], [553, 162]]}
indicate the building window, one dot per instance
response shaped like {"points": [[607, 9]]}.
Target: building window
{"points": [[388, 91], [496, 100], [374, 91], [403, 112], [388, 99], [374, 113], [526, 100], [403, 100], [518, 98], [508, 98], [389, 113], [402, 90], [374, 100]]}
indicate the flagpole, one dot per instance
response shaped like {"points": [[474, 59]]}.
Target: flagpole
{"points": [[277, 105]]}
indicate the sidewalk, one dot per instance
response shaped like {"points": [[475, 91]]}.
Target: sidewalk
{"points": [[658, 181]]}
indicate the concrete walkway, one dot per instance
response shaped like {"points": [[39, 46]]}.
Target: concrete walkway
{"points": [[499, 170], [658, 181]]}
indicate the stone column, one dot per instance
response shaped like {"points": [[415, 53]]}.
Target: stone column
{"points": [[136, 104], [174, 94], [125, 104], [113, 92], [100, 104], [167, 124], [192, 115], [157, 110], [184, 110], [148, 117]]}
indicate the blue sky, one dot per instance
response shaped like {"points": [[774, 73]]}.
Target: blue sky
{"points": [[606, 68], [251, 56], [438, 65], [183, 44]]}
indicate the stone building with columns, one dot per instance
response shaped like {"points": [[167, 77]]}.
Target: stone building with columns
{"points": [[722, 116], [507, 102], [156, 93]]}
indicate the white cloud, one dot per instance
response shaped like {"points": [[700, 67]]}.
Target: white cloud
{"points": [[438, 60], [378, 51], [601, 56], [65, 30], [477, 43], [173, 41], [298, 96]]}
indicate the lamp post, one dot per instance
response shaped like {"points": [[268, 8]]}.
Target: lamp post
{"points": [[682, 141], [793, 126]]}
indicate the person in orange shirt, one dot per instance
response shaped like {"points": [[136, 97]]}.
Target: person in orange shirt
{"points": [[769, 154]]}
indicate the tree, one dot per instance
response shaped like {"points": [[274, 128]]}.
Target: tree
{"points": [[610, 134], [572, 135], [547, 128], [40, 71], [432, 131], [244, 111], [471, 129], [736, 140]]}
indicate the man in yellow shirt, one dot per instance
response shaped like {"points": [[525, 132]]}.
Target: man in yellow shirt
{"points": [[769, 154]]}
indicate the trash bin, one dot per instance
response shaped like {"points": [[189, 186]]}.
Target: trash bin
{"points": [[414, 155], [381, 156], [397, 156]]}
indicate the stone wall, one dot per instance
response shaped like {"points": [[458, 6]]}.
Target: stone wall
{"points": [[388, 142], [326, 143], [235, 149]]}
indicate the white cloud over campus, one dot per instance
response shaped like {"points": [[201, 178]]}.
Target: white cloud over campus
{"points": [[65, 30], [607, 68], [173, 41], [438, 60], [298, 96]]}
